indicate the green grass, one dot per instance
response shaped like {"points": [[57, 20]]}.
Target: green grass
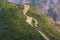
{"points": [[13, 25], [49, 29]]}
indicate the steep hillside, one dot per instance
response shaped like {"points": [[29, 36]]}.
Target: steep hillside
{"points": [[45, 25], [13, 25]]}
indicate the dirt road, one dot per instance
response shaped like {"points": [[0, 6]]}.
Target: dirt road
{"points": [[29, 20]]}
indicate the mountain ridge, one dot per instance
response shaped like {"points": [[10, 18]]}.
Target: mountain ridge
{"points": [[50, 8]]}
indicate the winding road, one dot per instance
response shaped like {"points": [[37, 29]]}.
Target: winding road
{"points": [[29, 20]]}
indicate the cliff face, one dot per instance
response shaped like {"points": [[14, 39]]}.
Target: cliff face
{"points": [[32, 2], [50, 7]]}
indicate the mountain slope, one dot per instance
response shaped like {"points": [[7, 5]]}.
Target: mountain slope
{"points": [[13, 25], [29, 20], [45, 25]]}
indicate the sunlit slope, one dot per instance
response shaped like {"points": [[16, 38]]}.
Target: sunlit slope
{"points": [[13, 25], [45, 25]]}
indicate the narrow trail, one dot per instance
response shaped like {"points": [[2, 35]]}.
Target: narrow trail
{"points": [[43, 34], [29, 20]]}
